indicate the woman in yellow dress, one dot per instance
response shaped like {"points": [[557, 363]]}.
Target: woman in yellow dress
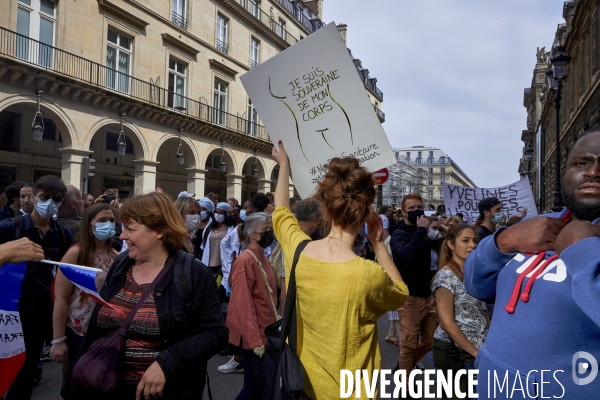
{"points": [[340, 296]]}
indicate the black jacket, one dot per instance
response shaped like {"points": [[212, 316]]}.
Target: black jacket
{"points": [[411, 252], [185, 346]]}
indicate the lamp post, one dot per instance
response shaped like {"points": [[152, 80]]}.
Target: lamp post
{"points": [[555, 75], [528, 157], [121, 143], [180, 156], [223, 164], [37, 126]]}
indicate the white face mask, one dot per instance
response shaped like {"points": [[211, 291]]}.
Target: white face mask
{"points": [[219, 218], [433, 234], [191, 222]]}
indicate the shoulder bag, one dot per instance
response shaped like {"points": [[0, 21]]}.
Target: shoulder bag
{"points": [[97, 371], [283, 374]]}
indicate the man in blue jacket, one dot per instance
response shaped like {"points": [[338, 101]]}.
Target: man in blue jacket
{"points": [[544, 274]]}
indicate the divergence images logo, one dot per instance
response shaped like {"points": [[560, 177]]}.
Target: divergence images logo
{"points": [[583, 367]]}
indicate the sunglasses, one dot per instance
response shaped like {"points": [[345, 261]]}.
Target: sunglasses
{"points": [[57, 198]]}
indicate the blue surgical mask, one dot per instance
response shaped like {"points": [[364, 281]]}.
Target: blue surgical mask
{"points": [[47, 208], [104, 230], [498, 217], [243, 215], [203, 215]]}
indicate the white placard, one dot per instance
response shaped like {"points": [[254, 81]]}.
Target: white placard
{"points": [[311, 97], [514, 197]]}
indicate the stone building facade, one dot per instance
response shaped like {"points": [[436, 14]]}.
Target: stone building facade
{"points": [[172, 67], [423, 170], [580, 105]]}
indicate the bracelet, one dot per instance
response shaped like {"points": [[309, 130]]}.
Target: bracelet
{"points": [[59, 340]]}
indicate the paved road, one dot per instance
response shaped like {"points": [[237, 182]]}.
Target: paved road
{"points": [[224, 387]]}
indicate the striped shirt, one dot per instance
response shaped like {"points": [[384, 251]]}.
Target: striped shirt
{"points": [[142, 341]]}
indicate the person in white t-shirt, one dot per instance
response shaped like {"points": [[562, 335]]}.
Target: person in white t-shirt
{"points": [[385, 214]]}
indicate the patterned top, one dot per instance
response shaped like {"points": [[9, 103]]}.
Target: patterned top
{"points": [[81, 305], [142, 343], [469, 313]]}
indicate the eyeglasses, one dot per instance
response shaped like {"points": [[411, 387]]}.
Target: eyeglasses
{"points": [[57, 198]]}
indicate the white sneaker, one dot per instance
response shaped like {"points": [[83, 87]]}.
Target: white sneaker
{"points": [[231, 367]]}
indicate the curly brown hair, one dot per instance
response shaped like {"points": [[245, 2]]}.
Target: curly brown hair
{"points": [[158, 212], [347, 193]]}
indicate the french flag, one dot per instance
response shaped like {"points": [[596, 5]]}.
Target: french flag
{"points": [[12, 344], [84, 278]]}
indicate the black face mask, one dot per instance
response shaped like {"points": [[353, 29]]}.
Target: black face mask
{"points": [[230, 220], [414, 215], [266, 239]]}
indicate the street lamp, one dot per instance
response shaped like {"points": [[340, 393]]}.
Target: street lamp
{"points": [[528, 157], [37, 126], [180, 157], [121, 143], [223, 165], [254, 167], [555, 75]]}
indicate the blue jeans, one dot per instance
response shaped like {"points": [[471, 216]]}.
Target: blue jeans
{"points": [[253, 372]]}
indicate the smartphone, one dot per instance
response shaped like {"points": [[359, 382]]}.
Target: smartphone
{"points": [[109, 199]]}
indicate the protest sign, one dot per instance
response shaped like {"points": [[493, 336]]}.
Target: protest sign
{"points": [[514, 197], [311, 97]]}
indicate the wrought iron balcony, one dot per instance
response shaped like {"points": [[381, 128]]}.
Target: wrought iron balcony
{"points": [[88, 73], [302, 14], [379, 113], [178, 20], [222, 46], [253, 64], [252, 7]]}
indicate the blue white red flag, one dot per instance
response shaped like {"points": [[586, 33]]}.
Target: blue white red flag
{"points": [[12, 344], [84, 278]]}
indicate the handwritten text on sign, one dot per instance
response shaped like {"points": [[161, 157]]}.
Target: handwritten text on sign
{"points": [[311, 98], [514, 198]]}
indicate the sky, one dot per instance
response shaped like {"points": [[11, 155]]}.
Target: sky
{"points": [[453, 72]]}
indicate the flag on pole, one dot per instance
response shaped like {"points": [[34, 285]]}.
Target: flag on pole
{"points": [[12, 344], [84, 278]]}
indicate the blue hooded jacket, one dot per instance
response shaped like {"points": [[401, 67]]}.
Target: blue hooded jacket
{"points": [[532, 352]]}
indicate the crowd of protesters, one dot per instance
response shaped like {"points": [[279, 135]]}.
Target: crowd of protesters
{"points": [[192, 277]]}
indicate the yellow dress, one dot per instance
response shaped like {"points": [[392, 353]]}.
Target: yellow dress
{"points": [[337, 308]]}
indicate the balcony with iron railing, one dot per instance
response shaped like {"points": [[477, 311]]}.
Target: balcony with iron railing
{"points": [[268, 22], [379, 113], [221, 46], [178, 20], [301, 14], [89, 73], [253, 64]]}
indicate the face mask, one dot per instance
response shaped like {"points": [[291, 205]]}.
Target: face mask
{"points": [[266, 239], [203, 215], [414, 215], [219, 218], [230, 220], [243, 215], [47, 208], [498, 217], [433, 235], [104, 230], [191, 222]]}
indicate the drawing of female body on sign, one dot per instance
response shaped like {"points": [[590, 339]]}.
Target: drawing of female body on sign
{"points": [[311, 97]]}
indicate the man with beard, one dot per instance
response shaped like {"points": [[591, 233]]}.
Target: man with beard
{"points": [[26, 196], [544, 274]]}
